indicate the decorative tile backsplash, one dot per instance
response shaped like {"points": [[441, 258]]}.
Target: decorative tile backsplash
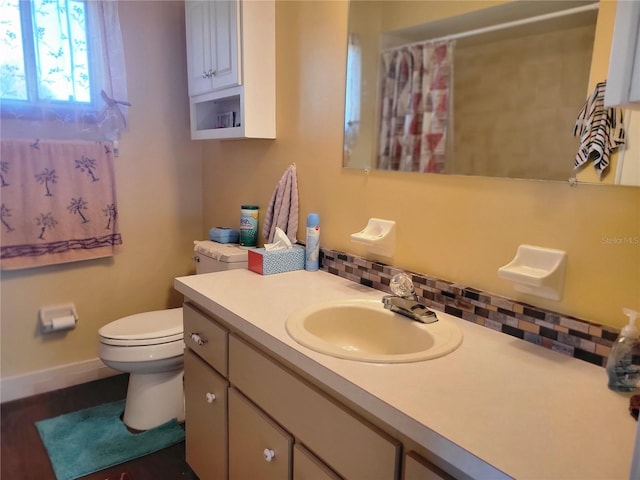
{"points": [[567, 335]]}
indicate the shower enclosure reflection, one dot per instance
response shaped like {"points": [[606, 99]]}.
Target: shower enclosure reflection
{"points": [[501, 99]]}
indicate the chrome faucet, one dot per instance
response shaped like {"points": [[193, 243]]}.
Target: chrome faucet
{"points": [[405, 300]]}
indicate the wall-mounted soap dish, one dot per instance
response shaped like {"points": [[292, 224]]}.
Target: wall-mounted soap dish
{"points": [[379, 235], [537, 271]]}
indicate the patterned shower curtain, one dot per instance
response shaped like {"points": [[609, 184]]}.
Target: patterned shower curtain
{"points": [[415, 106]]}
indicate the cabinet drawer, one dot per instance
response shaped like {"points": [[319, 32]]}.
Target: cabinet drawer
{"points": [[205, 337], [418, 468], [306, 466], [258, 448], [353, 448], [206, 418]]}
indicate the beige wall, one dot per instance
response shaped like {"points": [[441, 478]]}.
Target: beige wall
{"points": [[400, 14], [457, 228], [158, 178]]}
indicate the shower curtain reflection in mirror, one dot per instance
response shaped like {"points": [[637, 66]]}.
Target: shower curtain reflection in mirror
{"points": [[415, 107]]}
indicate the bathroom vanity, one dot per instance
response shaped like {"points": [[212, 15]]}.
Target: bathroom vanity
{"points": [[260, 405]]}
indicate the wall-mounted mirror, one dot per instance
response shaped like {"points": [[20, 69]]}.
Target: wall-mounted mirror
{"points": [[488, 88]]}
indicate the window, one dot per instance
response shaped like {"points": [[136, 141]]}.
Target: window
{"points": [[352, 102], [57, 63], [45, 51]]}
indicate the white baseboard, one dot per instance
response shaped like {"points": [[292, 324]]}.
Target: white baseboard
{"points": [[41, 381]]}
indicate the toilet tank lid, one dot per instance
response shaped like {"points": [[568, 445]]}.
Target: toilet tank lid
{"points": [[146, 326], [223, 252]]}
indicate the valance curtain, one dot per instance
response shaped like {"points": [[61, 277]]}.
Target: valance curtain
{"points": [[62, 104], [415, 107]]}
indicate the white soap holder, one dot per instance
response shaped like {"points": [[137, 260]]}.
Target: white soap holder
{"points": [[379, 235], [537, 271]]}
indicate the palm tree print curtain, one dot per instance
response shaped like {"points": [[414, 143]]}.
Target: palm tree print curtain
{"points": [[415, 106], [58, 202]]}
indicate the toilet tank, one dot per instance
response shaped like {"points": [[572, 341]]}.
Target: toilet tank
{"points": [[216, 257]]}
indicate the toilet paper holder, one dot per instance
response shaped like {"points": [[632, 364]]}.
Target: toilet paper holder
{"points": [[58, 318]]}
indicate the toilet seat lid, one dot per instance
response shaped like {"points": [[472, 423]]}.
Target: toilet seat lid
{"points": [[148, 328]]}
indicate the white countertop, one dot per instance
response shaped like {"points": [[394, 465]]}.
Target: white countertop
{"points": [[496, 404]]}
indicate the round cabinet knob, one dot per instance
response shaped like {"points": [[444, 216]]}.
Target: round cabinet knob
{"points": [[197, 339], [205, 75], [268, 454], [212, 73], [210, 397]]}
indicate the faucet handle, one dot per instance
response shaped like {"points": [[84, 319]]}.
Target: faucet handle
{"points": [[402, 285]]}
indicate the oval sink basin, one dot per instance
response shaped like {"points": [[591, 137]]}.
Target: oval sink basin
{"points": [[365, 331]]}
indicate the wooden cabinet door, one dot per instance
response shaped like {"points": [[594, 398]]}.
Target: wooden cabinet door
{"points": [[352, 447], [212, 45], [623, 80], [258, 448], [224, 33], [205, 418], [199, 55], [306, 466]]}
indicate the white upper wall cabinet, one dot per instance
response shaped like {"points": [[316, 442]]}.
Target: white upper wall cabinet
{"points": [[623, 82], [212, 43], [231, 68]]}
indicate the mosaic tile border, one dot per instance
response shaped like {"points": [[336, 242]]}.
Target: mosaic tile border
{"points": [[564, 334]]}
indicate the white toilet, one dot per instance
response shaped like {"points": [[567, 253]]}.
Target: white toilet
{"points": [[149, 346]]}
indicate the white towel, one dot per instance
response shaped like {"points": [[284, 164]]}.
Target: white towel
{"points": [[218, 251], [601, 131], [282, 211]]}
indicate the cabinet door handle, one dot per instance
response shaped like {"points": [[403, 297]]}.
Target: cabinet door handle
{"points": [[197, 339], [268, 454], [208, 74], [210, 397]]}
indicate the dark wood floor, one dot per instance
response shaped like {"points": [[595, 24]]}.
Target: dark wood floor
{"points": [[22, 454]]}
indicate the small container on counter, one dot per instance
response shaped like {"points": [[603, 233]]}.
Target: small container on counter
{"points": [[312, 249], [623, 363], [249, 225]]}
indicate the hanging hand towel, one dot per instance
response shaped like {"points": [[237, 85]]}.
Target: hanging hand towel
{"points": [[58, 203], [282, 211], [600, 129]]}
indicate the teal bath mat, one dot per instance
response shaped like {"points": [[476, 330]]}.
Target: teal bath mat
{"points": [[90, 440]]}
